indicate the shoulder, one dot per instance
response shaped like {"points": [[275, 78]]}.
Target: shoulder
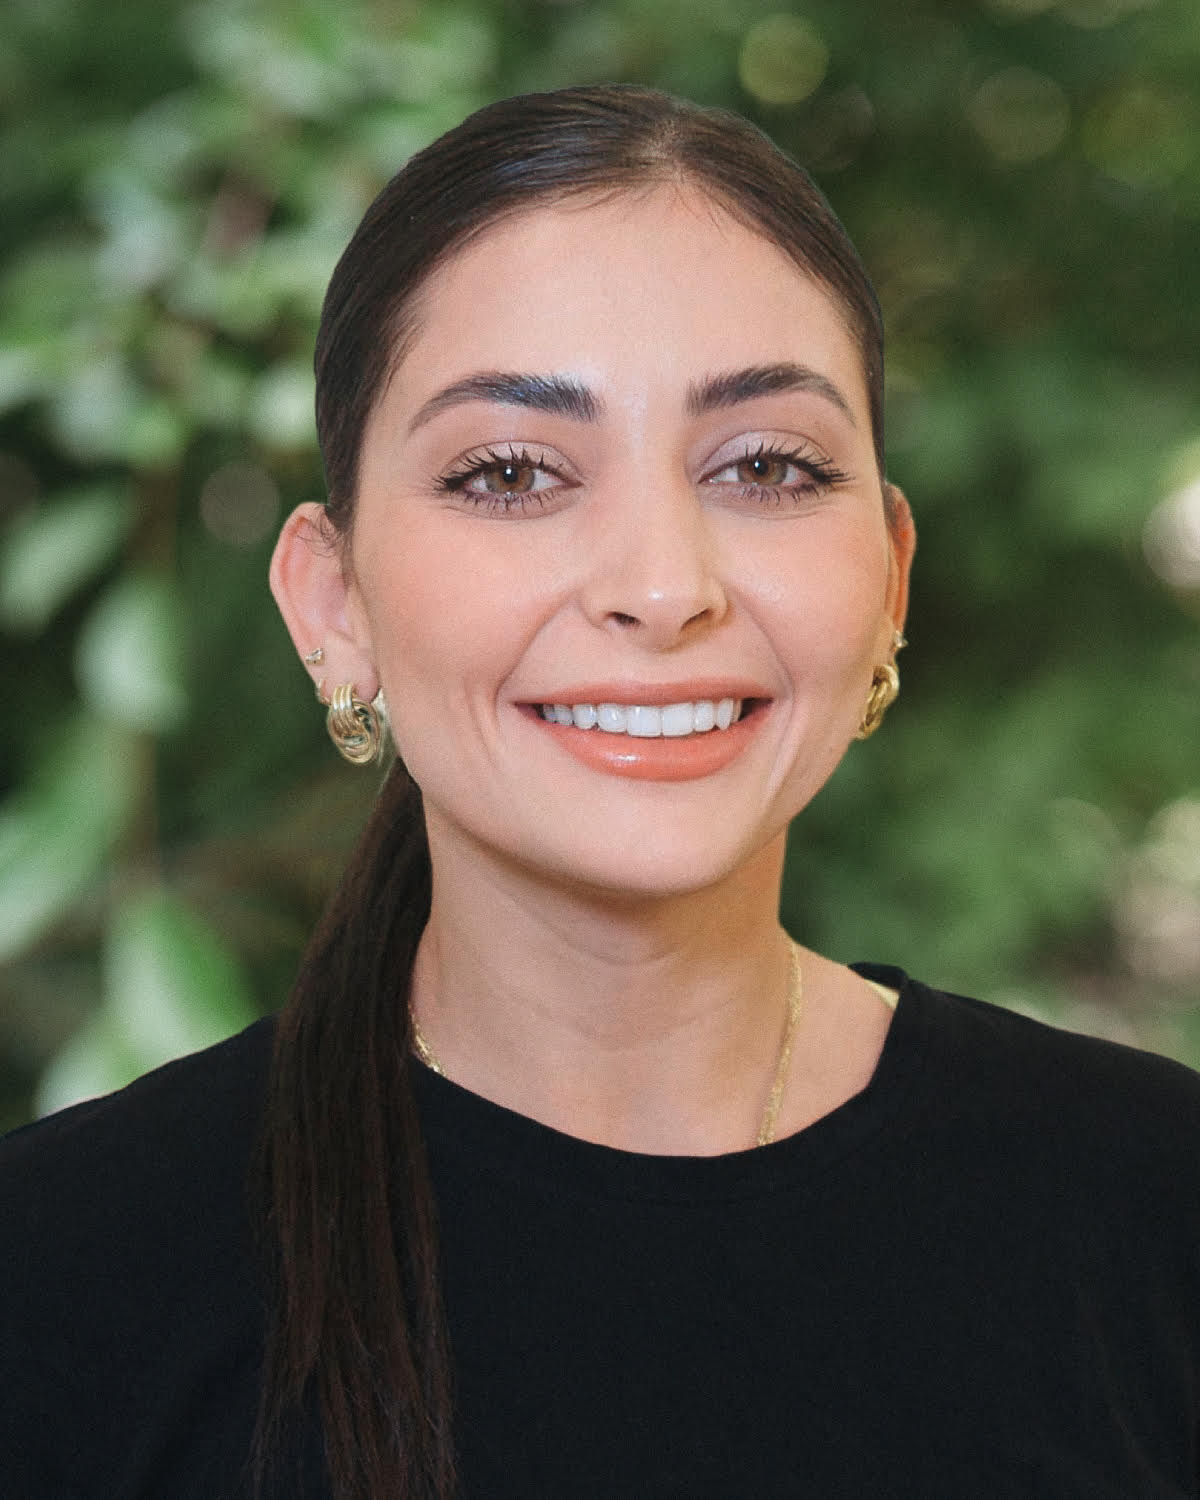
{"points": [[1009, 1046], [166, 1148], [131, 1302], [1093, 1106]]}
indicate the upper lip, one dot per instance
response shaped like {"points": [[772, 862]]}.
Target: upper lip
{"points": [[655, 694]]}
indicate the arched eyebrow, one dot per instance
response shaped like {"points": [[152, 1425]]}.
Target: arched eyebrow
{"points": [[563, 396], [736, 386], [557, 394]]}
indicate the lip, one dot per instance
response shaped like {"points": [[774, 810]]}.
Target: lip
{"points": [[687, 758]]}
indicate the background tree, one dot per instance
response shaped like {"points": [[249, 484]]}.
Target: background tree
{"points": [[1023, 178]]}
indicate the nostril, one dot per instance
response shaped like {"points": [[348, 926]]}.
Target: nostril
{"points": [[622, 619]]}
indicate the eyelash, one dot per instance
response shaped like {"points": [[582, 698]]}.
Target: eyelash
{"points": [[820, 474], [500, 502]]}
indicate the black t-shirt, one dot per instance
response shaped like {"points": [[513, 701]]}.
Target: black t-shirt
{"points": [[979, 1279]]}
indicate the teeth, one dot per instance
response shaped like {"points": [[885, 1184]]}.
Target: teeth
{"points": [[645, 721], [611, 718], [678, 719]]}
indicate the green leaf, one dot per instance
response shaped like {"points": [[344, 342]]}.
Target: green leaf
{"points": [[95, 1061], [281, 408], [22, 376], [171, 985], [55, 837], [130, 656], [52, 551]]}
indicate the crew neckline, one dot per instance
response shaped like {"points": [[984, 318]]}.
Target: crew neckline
{"points": [[458, 1121]]}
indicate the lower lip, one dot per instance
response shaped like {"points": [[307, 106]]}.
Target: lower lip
{"points": [[660, 759]]}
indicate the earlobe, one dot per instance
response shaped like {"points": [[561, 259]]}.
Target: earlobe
{"points": [[313, 592]]}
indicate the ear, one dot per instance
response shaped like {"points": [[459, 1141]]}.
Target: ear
{"points": [[902, 536], [315, 597]]}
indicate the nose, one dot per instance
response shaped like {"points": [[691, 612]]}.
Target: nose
{"points": [[655, 573]]}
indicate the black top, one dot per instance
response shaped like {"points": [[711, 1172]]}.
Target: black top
{"points": [[978, 1279]]}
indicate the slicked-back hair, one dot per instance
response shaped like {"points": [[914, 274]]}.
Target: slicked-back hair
{"points": [[356, 1330]]}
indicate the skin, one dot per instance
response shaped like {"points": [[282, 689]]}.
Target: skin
{"points": [[603, 952]]}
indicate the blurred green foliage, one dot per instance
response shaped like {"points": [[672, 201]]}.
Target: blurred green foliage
{"points": [[1023, 178]]}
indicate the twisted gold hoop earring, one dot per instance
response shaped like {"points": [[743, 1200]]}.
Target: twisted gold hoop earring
{"points": [[354, 727], [883, 692]]}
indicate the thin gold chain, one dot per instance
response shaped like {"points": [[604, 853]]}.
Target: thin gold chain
{"points": [[770, 1115], [766, 1129]]}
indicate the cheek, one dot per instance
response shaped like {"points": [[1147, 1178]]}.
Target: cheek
{"points": [[826, 595], [446, 620]]}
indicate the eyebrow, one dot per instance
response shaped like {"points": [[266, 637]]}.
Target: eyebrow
{"points": [[557, 394], [762, 380], [565, 397]]}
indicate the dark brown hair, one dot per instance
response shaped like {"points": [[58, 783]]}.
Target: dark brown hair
{"points": [[356, 1327]]}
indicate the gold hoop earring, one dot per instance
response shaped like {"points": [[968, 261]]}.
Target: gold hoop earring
{"points": [[883, 692], [354, 727]]}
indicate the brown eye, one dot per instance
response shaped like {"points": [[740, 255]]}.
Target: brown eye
{"points": [[764, 468], [509, 479]]}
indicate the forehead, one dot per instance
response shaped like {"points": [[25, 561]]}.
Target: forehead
{"points": [[655, 285]]}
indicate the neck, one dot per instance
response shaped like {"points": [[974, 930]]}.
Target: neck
{"points": [[652, 1024]]}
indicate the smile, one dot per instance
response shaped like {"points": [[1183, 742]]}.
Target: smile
{"points": [[647, 721], [684, 740]]}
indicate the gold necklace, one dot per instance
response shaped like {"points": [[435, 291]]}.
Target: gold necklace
{"points": [[770, 1114]]}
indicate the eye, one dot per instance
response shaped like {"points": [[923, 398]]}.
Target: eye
{"points": [[777, 475], [501, 481], [763, 468], [508, 478]]}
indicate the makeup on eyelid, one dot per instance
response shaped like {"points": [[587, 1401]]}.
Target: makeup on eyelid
{"points": [[650, 582], [511, 464]]}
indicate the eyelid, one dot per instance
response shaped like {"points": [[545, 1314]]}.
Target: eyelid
{"points": [[819, 476], [751, 444], [510, 451], [456, 481]]}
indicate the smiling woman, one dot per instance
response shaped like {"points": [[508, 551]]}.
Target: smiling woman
{"points": [[576, 1175]]}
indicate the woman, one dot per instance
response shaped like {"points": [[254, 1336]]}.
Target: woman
{"points": [[578, 1177]]}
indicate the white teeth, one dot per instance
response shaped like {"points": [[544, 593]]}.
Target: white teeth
{"points": [[678, 719], [611, 718], [646, 721]]}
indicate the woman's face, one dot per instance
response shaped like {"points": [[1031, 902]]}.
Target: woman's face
{"points": [[626, 460]]}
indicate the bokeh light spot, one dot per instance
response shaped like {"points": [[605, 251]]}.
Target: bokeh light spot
{"points": [[783, 60], [1171, 539], [239, 504], [1020, 115], [1143, 136]]}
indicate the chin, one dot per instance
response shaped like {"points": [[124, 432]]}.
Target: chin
{"points": [[636, 870]]}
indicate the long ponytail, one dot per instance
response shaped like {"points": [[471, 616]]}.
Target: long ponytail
{"points": [[356, 1329]]}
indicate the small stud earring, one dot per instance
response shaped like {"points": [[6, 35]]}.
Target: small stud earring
{"points": [[315, 657]]}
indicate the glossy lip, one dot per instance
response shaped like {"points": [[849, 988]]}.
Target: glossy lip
{"points": [[686, 758]]}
